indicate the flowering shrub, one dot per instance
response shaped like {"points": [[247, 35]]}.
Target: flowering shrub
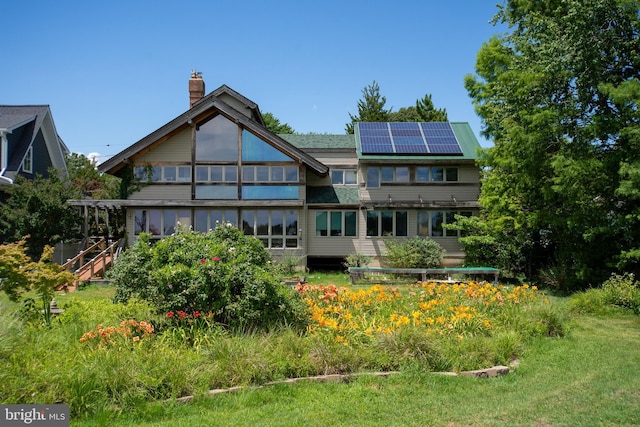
{"points": [[438, 309], [131, 330], [223, 272]]}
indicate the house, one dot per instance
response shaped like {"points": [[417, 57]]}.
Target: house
{"points": [[29, 143], [317, 197]]}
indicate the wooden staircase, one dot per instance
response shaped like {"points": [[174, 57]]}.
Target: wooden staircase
{"points": [[95, 267]]}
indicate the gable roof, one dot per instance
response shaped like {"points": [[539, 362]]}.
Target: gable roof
{"points": [[202, 109], [26, 121]]}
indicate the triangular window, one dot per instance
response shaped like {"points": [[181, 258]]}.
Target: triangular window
{"points": [[255, 149]]}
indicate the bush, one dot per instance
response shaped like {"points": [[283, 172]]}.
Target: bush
{"points": [[417, 252], [223, 272], [357, 259], [622, 291]]}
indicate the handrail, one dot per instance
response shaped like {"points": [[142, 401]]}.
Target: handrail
{"points": [[113, 250], [103, 256], [67, 265]]}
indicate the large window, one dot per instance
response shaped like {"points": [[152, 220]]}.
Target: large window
{"points": [[160, 222], [217, 140], [432, 223], [336, 223], [208, 219], [276, 228], [386, 223]]}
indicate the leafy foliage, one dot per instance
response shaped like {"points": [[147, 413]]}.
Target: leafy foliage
{"points": [[222, 271], [36, 210], [273, 124], [357, 259], [559, 97], [88, 181], [19, 274], [417, 252]]}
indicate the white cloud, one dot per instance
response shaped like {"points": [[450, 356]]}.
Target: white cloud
{"points": [[94, 157]]}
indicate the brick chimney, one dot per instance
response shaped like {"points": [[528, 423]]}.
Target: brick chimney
{"points": [[196, 87]]}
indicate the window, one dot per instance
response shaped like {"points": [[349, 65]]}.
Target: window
{"points": [[207, 219], [432, 223], [160, 222], [27, 163], [373, 177], [344, 176], [169, 173], [264, 174], [216, 173], [436, 174], [276, 228], [255, 149], [386, 223], [217, 140], [336, 223], [422, 174], [388, 175]]}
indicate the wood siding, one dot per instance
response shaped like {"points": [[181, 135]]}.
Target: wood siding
{"points": [[163, 192], [176, 149]]}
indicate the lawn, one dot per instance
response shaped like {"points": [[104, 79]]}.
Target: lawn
{"points": [[575, 368], [588, 378]]}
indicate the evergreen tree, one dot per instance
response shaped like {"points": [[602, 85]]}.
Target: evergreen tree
{"points": [[370, 107]]}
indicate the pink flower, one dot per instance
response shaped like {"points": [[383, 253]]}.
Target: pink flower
{"points": [[202, 261], [215, 258]]}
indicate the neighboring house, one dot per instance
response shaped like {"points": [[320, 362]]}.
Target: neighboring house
{"points": [[318, 197], [29, 143]]}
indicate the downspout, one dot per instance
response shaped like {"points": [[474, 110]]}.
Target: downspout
{"points": [[4, 155]]}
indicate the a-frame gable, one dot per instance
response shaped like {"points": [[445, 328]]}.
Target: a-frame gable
{"points": [[202, 110]]}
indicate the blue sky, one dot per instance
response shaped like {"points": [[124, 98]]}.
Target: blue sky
{"points": [[115, 71]]}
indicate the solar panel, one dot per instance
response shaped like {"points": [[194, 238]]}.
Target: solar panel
{"points": [[408, 138], [440, 138]]}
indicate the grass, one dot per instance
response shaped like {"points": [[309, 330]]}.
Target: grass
{"points": [[585, 379]]}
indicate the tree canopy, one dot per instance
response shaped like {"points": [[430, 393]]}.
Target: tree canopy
{"points": [[558, 96], [371, 108], [274, 125]]}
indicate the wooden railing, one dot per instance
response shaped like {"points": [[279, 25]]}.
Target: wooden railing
{"points": [[98, 263]]}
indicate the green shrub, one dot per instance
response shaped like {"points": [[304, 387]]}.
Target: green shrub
{"points": [[417, 252], [223, 272], [357, 259], [622, 291]]}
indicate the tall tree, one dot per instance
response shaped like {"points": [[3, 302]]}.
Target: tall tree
{"points": [[370, 107], [274, 125], [558, 96], [88, 181], [427, 112]]}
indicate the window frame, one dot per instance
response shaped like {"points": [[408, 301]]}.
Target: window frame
{"points": [[381, 219], [347, 219]]}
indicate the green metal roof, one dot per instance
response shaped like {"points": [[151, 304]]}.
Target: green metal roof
{"points": [[320, 141], [333, 195], [465, 136]]}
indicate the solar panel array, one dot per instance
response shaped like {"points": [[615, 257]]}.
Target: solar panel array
{"points": [[432, 138]]}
